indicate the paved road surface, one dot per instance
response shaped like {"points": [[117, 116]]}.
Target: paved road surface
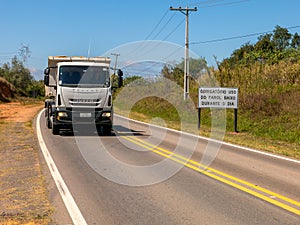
{"points": [[134, 177]]}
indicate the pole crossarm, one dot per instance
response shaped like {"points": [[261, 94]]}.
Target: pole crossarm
{"points": [[183, 10]]}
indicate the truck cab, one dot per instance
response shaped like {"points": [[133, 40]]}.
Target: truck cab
{"points": [[81, 93]]}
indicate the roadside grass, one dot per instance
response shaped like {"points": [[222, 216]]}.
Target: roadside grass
{"points": [[278, 134], [23, 194], [29, 101]]}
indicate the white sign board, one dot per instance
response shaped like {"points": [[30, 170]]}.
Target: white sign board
{"points": [[215, 97]]}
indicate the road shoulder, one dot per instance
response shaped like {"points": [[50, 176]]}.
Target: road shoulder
{"points": [[23, 193]]}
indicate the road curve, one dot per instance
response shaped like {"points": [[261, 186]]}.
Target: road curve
{"points": [[144, 174]]}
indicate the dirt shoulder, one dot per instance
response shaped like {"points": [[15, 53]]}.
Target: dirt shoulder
{"points": [[23, 194], [19, 112]]}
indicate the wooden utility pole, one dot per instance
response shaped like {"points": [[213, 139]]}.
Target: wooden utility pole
{"points": [[185, 11]]}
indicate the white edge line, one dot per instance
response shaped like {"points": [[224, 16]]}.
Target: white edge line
{"points": [[216, 141], [68, 199]]}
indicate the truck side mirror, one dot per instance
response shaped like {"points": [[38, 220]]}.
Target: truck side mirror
{"points": [[47, 71], [120, 78], [46, 80], [46, 77]]}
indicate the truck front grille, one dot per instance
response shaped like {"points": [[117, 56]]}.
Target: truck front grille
{"points": [[84, 102]]}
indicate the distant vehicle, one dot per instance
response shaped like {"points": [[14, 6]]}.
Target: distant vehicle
{"points": [[79, 92]]}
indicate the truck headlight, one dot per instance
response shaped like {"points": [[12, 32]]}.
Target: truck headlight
{"points": [[106, 114], [62, 114]]}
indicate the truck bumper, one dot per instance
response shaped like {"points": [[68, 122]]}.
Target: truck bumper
{"points": [[69, 117]]}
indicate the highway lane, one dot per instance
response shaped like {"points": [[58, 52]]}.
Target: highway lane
{"points": [[237, 188]]}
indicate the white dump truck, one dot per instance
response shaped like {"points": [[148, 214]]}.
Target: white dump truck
{"points": [[79, 92]]}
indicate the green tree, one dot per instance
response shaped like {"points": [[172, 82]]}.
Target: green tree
{"points": [[264, 45], [21, 76], [36, 89], [17, 75], [281, 38], [243, 54], [196, 66], [173, 73], [295, 43]]}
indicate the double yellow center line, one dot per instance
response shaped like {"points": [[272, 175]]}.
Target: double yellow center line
{"points": [[252, 189]]}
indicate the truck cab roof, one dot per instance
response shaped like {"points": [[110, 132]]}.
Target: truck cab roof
{"points": [[82, 64], [54, 60]]}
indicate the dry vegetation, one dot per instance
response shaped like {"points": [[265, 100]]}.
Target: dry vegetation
{"points": [[267, 74], [23, 196]]}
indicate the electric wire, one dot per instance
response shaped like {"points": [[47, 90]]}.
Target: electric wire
{"points": [[204, 4], [237, 37], [215, 3], [159, 22], [223, 4], [8, 53], [199, 3], [173, 31], [136, 50], [164, 26]]}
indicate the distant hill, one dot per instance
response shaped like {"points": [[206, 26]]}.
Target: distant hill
{"points": [[7, 90]]}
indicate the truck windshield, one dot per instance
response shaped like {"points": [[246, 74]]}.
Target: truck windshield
{"points": [[74, 76]]}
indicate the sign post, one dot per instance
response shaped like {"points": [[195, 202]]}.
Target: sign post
{"points": [[217, 97], [235, 121]]}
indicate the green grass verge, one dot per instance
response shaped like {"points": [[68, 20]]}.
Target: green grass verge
{"points": [[277, 134]]}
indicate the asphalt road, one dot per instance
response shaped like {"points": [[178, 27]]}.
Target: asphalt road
{"points": [[149, 175]]}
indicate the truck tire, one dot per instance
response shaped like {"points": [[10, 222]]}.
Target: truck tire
{"points": [[55, 129], [48, 123], [48, 115], [106, 130]]}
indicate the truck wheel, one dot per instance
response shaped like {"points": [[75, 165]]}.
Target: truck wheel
{"points": [[106, 130], [48, 123], [55, 129], [48, 115]]}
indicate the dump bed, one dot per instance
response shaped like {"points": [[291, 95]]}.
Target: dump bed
{"points": [[53, 60]]}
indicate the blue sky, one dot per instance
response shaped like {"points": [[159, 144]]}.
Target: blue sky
{"points": [[65, 27]]}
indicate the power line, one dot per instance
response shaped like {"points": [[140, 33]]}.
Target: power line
{"points": [[181, 22], [134, 51], [199, 3], [212, 3], [159, 22], [237, 37], [164, 26], [227, 3], [6, 54], [159, 43]]}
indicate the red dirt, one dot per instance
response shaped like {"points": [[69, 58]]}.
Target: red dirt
{"points": [[18, 112]]}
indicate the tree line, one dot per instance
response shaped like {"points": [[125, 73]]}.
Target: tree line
{"points": [[273, 60], [20, 77], [267, 74], [261, 70]]}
